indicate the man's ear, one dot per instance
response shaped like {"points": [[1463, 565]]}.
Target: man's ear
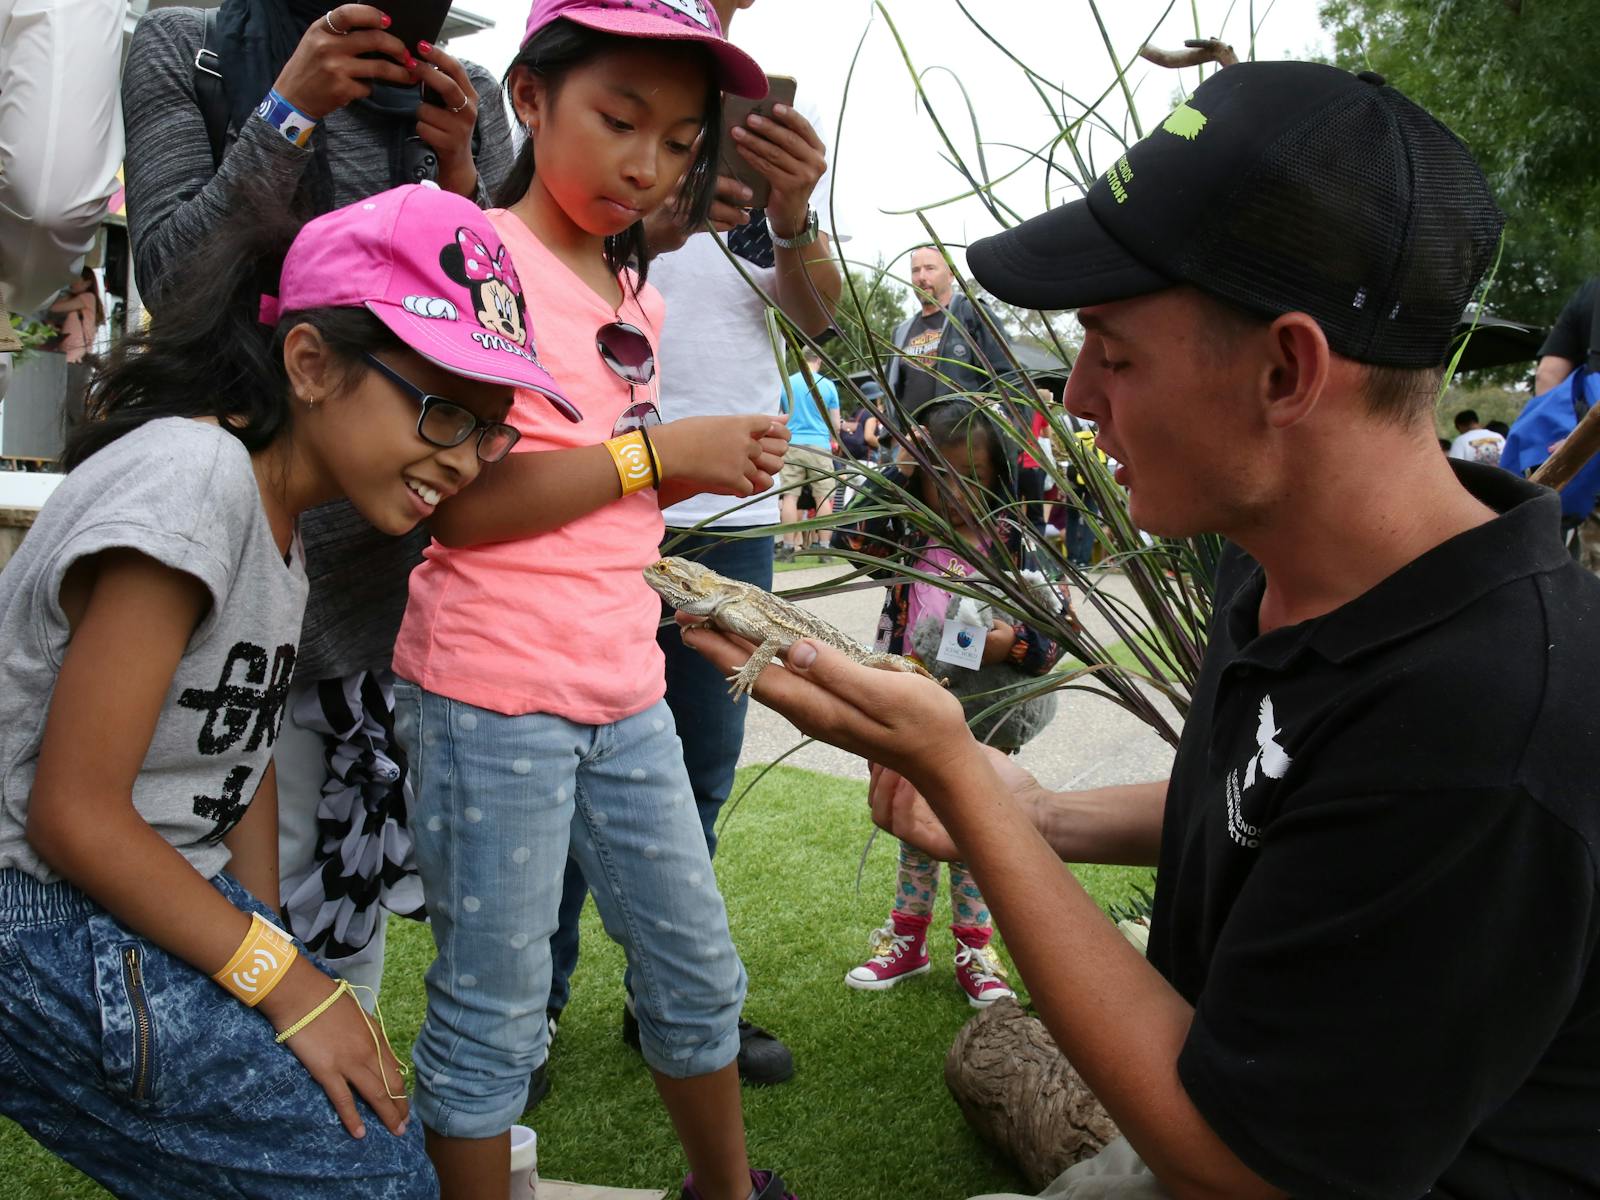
{"points": [[1299, 366], [530, 97], [310, 365]]}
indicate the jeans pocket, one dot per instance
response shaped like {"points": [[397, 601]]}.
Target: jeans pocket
{"points": [[127, 976]]}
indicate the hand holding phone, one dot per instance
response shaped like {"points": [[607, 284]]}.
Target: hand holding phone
{"points": [[735, 111]]}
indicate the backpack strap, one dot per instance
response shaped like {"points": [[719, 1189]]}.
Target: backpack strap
{"points": [[1594, 328], [209, 93]]}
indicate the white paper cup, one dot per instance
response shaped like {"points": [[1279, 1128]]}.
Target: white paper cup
{"points": [[524, 1162]]}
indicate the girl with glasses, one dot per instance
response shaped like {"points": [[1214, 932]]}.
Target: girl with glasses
{"points": [[531, 695], [157, 1029]]}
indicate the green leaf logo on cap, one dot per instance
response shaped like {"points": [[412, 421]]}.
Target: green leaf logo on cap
{"points": [[1185, 122]]}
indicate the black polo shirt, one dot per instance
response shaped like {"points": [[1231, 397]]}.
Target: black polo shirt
{"points": [[1378, 875]]}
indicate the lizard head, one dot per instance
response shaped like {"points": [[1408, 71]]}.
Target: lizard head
{"points": [[686, 586]]}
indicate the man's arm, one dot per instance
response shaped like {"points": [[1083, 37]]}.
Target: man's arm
{"points": [[1567, 343], [1119, 1022], [1116, 1019], [1552, 369], [1115, 825], [60, 141]]}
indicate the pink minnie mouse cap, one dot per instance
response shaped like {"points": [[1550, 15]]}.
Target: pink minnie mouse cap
{"points": [[428, 264], [681, 20]]}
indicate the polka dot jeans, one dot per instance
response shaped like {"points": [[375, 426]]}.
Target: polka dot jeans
{"points": [[919, 884], [498, 801]]}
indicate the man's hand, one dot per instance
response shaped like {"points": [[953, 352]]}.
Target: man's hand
{"points": [[788, 152], [665, 230], [900, 809], [904, 721], [326, 70], [448, 124]]}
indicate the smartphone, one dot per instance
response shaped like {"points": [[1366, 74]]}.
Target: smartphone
{"points": [[414, 21], [780, 90]]}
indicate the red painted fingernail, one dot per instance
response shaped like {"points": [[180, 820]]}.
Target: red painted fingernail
{"points": [[410, 62], [425, 47], [386, 21]]}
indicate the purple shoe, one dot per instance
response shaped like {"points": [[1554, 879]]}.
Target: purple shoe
{"points": [[768, 1185]]}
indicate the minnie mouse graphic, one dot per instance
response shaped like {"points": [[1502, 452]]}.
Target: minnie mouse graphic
{"points": [[695, 10], [492, 281]]}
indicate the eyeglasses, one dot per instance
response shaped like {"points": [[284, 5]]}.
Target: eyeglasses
{"points": [[446, 424]]}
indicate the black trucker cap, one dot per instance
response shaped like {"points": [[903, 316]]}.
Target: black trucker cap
{"points": [[1282, 187]]}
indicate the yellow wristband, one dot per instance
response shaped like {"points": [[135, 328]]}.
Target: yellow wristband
{"points": [[260, 962], [317, 1012], [633, 461]]}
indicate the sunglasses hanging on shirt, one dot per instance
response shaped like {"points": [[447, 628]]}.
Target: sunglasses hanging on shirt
{"points": [[628, 352]]}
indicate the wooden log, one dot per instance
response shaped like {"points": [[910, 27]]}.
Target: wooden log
{"points": [[1578, 448], [1021, 1095]]}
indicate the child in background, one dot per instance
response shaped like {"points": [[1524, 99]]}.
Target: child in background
{"points": [[531, 694], [149, 624], [964, 442]]}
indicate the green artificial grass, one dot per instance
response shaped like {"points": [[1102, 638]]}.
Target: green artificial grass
{"points": [[867, 1114]]}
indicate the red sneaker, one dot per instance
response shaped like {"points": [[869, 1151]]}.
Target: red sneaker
{"points": [[981, 975], [896, 954]]}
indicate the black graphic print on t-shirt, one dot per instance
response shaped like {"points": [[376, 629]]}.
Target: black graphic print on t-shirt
{"points": [[249, 698]]}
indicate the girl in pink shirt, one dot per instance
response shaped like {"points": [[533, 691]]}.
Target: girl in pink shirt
{"points": [[532, 687]]}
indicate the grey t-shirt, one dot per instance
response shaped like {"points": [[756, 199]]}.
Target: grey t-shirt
{"points": [[183, 493]]}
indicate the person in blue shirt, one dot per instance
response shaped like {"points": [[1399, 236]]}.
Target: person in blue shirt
{"points": [[808, 464]]}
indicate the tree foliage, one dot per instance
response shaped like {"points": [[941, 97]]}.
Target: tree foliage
{"points": [[1519, 82], [871, 306]]}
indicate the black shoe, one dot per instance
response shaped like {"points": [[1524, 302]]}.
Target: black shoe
{"points": [[538, 1086], [763, 1059]]}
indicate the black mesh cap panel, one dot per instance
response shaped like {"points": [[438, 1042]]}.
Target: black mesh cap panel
{"points": [[1370, 216]]}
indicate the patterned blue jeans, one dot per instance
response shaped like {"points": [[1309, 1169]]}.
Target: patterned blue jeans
{"points": [[148, 1077], [499, 800]]}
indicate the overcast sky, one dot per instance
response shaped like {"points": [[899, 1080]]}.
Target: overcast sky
{"points": [[886, 158]]}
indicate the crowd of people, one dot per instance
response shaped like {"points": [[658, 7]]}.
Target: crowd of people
{"points": [[345, 578]]}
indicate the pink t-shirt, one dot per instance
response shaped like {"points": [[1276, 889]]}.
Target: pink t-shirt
{"points": [[561, 622], [927, 599]]}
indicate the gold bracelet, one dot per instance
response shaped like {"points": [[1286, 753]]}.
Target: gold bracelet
{"points": [[633, 461], [314, 1013], [260, 962], [405, 1073]]}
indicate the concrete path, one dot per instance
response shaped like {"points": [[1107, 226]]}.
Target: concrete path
{"points": [[1091, 742]]}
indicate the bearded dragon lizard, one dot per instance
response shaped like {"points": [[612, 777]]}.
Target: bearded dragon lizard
{"points": [[755, 615]]}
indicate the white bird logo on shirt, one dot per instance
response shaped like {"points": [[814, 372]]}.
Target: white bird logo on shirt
{"points": [[1269, 755]]}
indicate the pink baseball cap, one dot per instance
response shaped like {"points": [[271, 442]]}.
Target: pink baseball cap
{"points": [[427, 263], [680, 20]]}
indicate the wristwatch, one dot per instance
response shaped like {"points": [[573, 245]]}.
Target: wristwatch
{"points": [[804, 238]]}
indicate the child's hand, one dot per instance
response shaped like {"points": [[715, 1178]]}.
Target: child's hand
{"points": [[337, 1048], [730, 456], [998, 642]]}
